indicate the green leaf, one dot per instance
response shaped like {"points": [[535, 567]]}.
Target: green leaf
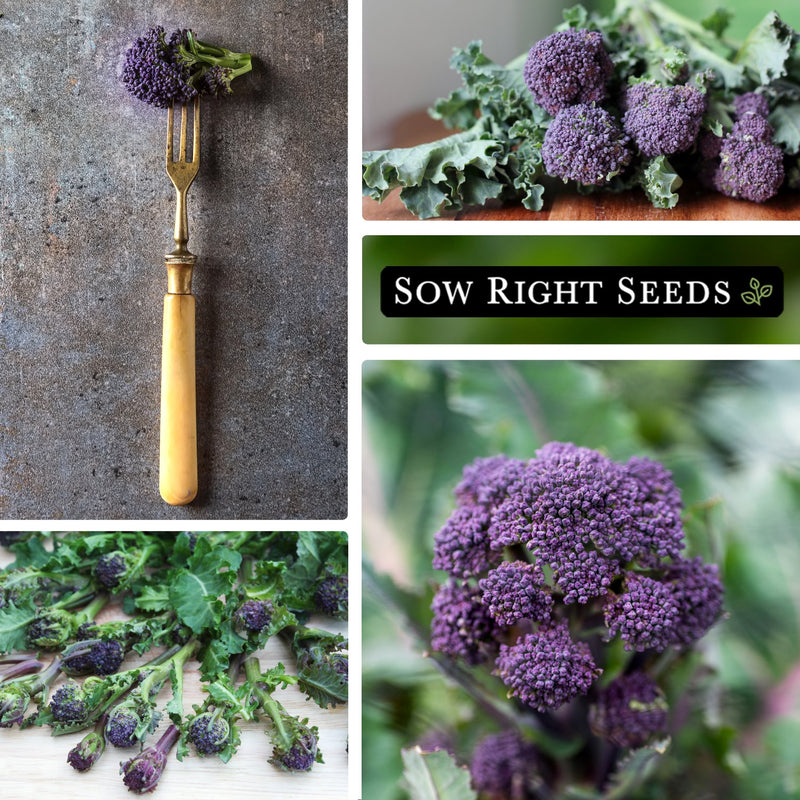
{"points": [[153, 597], [785, 119], [13, 624], [325, 687], [660, 182], [435, 776], [718, 21], [194, 592], [767, 48], [749, 298]]}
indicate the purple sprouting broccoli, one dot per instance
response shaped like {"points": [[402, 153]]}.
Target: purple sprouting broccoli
{"points": [[121, 725], [209, 732], [750, 165], [253, 616], [87, 752], [644, 615], [161, 70], [568, 68], [294, 741], [629, 711], [322, 665], [461, 547], [586, 144], [751, 103], [116, 570], [92, 657], [548, 668], [574, 539], [17, 692], [512, 592], [462, 627], [330, 596], [505, 766], [142, 772], [68, 704], [50, 629], [697, 591], [663, 120]]}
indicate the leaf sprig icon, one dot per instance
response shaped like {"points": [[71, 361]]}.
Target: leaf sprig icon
{"points": [[758, 294]]}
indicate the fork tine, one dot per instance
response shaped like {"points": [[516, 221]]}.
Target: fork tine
{"points": [[183, 133], [196, 132], [170, 123]]}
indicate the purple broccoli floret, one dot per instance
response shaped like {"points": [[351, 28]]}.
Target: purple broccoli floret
{"points": [[461, 547], [300, 757], [585, 516], [751, 103], [629, 711], [748, 169], [461, 626], [643, 615], [663, 120], [161, 71], [93, 657], [512, 592], [485, 481], [253, 616], [68, 704], [586, 144], [547, 668], [120, 729], [87, 752], [697, 591], [504, 766], [331, 596], [568, 68], [142, 772], [209, 733]]}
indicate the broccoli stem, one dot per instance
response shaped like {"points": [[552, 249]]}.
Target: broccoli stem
{"points": [[252, 671]]}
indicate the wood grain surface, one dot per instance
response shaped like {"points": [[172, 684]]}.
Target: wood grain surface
{"points": [[33, 763], [562, 202]]}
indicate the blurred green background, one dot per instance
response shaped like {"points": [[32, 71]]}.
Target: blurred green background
{"points": [[734, 251], [729, 431]]}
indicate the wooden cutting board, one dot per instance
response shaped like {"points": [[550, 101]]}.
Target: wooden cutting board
{"points": [[33, 763]]}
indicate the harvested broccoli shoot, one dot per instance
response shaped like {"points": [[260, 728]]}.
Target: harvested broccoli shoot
{"points": [[161, 70], [602, 104], [199, 607]]}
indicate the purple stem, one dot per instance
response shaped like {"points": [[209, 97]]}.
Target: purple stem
{"points": [[20, 668]]}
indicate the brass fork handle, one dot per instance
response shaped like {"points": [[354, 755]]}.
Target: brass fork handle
{"points": [[178, 447]]}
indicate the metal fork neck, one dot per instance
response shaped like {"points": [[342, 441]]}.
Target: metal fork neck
{"points": [[179, 272]]}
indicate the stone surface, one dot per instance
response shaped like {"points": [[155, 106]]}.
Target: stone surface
{"points": [[86, 214]]}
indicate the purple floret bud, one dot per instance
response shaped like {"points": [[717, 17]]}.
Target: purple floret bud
{"points": [[461, 625], [504, 767], [216, 81], [331, 596], [547, 669], [697, 591], [585, 144], [485, 481], [87, 752], [14, 702], [462, 547], [663, 120], [629, 711], [121, 727], [142, 773], [93, 657], [644, 615], [153, 72], [209, 733], [751, 103], [253, 616], [752, 128], [300, 757], [68, 705], [568, 68], [512, 592]]}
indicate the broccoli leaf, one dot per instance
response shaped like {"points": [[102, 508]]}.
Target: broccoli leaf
{"points": [[194, 592], [717, 22], [660, 182], [435, 776], [786, 121], [767, 48], [324, 686], [14, 621]]}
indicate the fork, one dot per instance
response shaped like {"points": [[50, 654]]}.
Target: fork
{"points": [[178, 445]]}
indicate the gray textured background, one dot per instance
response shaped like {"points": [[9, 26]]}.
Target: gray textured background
{"points": [[86, 213]]}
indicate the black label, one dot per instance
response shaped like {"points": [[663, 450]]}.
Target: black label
{"points": [[423, 291]]}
